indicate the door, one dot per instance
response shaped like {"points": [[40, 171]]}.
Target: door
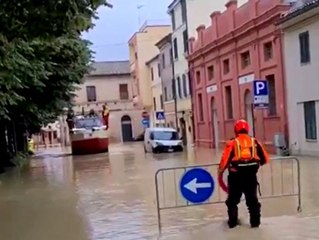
{"points": [[126, 123], [249, 111], [215, 124]]}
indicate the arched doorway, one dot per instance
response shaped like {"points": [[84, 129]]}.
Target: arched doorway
{"points": [[214, 123], [249, 111], [126, 124]]}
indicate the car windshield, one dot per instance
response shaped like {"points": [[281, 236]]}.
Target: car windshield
{"points": [[88, 123], [165, 135]]}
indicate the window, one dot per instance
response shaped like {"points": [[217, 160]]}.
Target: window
{"points": [[184, 85], [154, 103], [200, 107], [210, 72], [185, 41], [198, 77], [171, 55], [184, 12], [268, 52], [304, 47], [136, 56], [152, 73], [179, 87], [165, 94], [226, 67], [159, 70], [175, 49], [173, 20], [190, 83], [272, 111], [245, 59], [310, 120], [91, 93], [124, 92], [229, 102], [163, 61], [174, 88], [162, 103]]}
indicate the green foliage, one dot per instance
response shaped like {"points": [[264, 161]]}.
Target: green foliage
{"points": [[42, 57]]}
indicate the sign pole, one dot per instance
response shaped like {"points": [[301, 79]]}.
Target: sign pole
{"points": [[253, 122]]}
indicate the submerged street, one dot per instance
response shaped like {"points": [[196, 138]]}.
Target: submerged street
{"points": [[112, 196]]}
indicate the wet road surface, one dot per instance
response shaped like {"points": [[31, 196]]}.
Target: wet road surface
{"points": [[112, 196]]}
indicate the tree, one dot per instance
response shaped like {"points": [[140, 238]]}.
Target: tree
{"points": [[42, 59]]}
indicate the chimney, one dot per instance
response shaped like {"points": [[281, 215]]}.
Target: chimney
{"points": [[200, 34], [191, 42], [231, 5]]}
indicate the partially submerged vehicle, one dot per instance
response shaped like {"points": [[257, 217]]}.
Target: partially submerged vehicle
{"points": [[158, 140], [89, 135]]}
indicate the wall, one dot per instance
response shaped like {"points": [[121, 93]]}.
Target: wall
{"points": [[302, 83], [107, 91], [145, 48], [156, 89], [234, 32]]}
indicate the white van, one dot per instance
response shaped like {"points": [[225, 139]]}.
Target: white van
{"points": [[162, 139]]}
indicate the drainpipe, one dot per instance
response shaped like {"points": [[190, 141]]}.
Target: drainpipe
{"points": [[174, 88]]}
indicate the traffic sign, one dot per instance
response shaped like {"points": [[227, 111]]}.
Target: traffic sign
{"points": [[261, 94], [197, 185], [145, 122], [160, 115]]}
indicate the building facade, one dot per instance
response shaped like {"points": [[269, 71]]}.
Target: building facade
{"points": [[110, 83], [300, 27], [154, 71], [239, 46], [186, 15], [142, 48], [166, 68]]}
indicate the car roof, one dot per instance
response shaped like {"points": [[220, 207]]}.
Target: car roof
{"points": [[162, 129]]}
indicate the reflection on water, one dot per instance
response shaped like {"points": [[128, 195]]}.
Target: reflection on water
{"points": [[112, 196]]}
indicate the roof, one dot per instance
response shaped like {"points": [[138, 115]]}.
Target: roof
{"points": [[298, 9], [152, 59], [110, 68], [172, 5], [164, 40], [161, 129]]}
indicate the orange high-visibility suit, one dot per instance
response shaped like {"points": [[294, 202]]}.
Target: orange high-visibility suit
{"points": [[243, 156], [105, 115]]}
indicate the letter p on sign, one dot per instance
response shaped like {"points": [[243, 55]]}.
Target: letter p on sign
{"points": [[260, 87]]}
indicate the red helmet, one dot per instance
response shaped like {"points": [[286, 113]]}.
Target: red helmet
{"points": [[241, 125]]}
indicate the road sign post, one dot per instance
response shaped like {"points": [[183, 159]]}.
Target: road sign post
{"points": [[197, 185]]}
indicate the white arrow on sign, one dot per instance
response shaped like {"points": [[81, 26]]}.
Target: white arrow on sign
{"points": [[194, 185]]}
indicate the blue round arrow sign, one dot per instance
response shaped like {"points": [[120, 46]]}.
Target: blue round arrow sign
{"points": [[197, 185]]}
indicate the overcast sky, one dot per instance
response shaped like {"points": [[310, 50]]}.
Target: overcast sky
{"points": [[115, 26]]}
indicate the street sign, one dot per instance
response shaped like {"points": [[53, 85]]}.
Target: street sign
{"points": [[145, 122], [197, 185], [160, 115], [261, 94]]}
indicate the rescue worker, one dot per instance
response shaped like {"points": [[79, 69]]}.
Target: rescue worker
{"points": [[243, 156], [105, 115]]}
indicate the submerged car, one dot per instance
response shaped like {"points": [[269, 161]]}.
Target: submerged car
{"points": [[158, 140]]}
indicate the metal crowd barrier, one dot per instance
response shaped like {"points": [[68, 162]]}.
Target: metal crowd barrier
{"points": [[273, 179]]}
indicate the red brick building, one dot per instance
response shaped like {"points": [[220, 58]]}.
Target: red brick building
{"points": [[240, 45]]}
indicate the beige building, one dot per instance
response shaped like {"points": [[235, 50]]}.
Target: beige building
{"points": [[110, 83], [154, 70], [142, 48], [300, 27]]}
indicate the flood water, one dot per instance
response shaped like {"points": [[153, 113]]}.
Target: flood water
{"points": [[112, 197]]}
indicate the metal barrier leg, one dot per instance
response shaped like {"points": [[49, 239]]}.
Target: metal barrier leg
{"points": [[157, 204], [299, 209]]}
